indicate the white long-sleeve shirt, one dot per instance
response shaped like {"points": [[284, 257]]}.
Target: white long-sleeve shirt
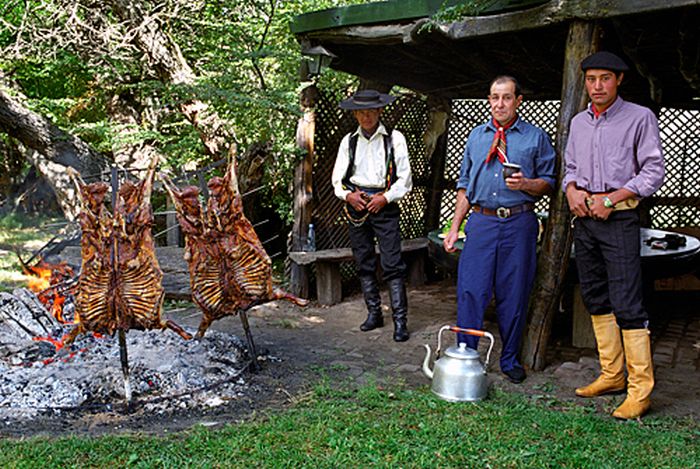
{"points": [[369, 168]]}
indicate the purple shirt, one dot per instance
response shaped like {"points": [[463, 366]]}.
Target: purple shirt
{"points": [[619, 149]]}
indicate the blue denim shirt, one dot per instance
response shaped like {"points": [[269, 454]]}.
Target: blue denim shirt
{"points": [[526, 145]]}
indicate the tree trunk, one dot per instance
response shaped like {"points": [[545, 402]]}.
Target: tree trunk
{"points": [[166, 59], [435, 139], [54, 150], [303, 193], [553, 259]]}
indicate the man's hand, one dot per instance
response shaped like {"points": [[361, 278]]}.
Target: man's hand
{"points": [[377, 203], [357, 200], [517, 182], [577, 201], [598, 210], [449, 242]]}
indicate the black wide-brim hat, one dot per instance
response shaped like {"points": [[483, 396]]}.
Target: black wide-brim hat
{"points": [[605, 61], [366, 99]]}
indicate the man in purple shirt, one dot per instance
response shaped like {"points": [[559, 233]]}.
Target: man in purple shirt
{"points": [[613, 158]]}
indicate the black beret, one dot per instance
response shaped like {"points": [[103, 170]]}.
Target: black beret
{"points": [[604, 60]]}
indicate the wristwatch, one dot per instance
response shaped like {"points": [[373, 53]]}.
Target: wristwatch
{"points": [[607, 203]]}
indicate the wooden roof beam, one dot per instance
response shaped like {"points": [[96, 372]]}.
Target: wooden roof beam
{"points": [[555, 12]]}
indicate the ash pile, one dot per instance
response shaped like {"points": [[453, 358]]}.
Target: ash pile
{"points": [[167, 373]]}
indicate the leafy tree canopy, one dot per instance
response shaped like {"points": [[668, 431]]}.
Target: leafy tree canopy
{"points": [[74, 58]]}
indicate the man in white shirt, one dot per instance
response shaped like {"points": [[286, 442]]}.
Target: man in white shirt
{"points": [[371, 174]]}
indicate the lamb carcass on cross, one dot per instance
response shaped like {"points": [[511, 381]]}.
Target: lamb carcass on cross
{"points": [[229, 268], [120, 281]]}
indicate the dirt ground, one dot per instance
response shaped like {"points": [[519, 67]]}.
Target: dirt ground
{"points": [[303, 345]]}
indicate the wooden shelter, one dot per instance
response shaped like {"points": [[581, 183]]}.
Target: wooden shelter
{"points": [[395, 43]]}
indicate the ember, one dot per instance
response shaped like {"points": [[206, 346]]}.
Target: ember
{"points": [[167, 374], [40, 374]]}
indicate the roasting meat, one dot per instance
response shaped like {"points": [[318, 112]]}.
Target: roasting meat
{"points": [[120, 282], [229, 268]]}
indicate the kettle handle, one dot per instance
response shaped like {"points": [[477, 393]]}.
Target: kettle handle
{"points": [[474, 332]]}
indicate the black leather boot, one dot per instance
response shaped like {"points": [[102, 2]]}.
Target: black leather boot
{"points": [[399, 307], [370, 289]]}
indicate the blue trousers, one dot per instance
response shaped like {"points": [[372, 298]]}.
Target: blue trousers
{"points": [[499, 257]]}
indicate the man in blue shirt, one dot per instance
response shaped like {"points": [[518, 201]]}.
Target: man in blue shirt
{"points": [[499, 255]]}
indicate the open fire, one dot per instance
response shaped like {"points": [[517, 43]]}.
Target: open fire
{"points": [[40, 374]]}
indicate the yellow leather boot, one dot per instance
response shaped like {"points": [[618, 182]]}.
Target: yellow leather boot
{"points": [[640, 374], [612, 376]]}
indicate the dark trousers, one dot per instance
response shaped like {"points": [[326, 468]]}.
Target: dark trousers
{"points": [[609, 267], [385, 227], [499, 257]]}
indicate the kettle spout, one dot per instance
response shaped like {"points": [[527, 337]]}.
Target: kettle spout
{"points": [[426, 362]]}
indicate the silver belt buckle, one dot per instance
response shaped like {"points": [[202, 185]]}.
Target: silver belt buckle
{"points": [[502, 212]]}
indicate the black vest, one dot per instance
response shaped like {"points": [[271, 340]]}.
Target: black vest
{"points": [[390, 162]]}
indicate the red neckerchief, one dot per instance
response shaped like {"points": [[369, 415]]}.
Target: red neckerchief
{"points": [[498, 147], [597, 113]]}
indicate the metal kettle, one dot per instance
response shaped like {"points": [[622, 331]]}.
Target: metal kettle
{"points": [[459, 375]]}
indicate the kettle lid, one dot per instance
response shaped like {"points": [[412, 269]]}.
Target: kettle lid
{"points": [[462, 352]]}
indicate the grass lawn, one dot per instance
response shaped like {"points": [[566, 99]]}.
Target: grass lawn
{"points": [[374, 427]]}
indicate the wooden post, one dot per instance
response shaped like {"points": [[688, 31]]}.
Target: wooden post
{"points": [[171, 223], [582, 41], [303, 190], [436, 151]]}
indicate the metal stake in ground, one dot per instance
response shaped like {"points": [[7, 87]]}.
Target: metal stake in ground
{"points": [[251, 345], [123, 352]]}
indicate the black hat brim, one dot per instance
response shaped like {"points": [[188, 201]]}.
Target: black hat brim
{"points": [[382, 100]]}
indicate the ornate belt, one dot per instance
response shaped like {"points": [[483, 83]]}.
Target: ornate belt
{"points": [[504, 212], [627, 204]]}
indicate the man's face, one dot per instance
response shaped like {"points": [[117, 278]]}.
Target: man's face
{"points": [[503, 101], [602, 86], [368, 118]]}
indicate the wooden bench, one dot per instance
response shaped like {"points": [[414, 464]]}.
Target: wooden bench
{"points": [[328, 278]]}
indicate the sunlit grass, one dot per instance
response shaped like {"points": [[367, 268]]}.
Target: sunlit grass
{"points": [[388, 427]]}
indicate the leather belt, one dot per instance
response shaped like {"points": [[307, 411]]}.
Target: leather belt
{"points": [[504, 212]]}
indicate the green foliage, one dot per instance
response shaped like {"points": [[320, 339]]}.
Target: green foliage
{"points": [[378, 427], [243, 53], [63, 77], [454, 10]]}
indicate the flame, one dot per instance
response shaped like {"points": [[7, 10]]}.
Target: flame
{"points": [[39, 279], [44, 280]]}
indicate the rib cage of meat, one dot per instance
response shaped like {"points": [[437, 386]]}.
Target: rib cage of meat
{"points": [[229, 268], [120, 282]]}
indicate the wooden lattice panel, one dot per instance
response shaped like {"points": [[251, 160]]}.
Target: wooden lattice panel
{"points": [[469, 113], [677, 203]]}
